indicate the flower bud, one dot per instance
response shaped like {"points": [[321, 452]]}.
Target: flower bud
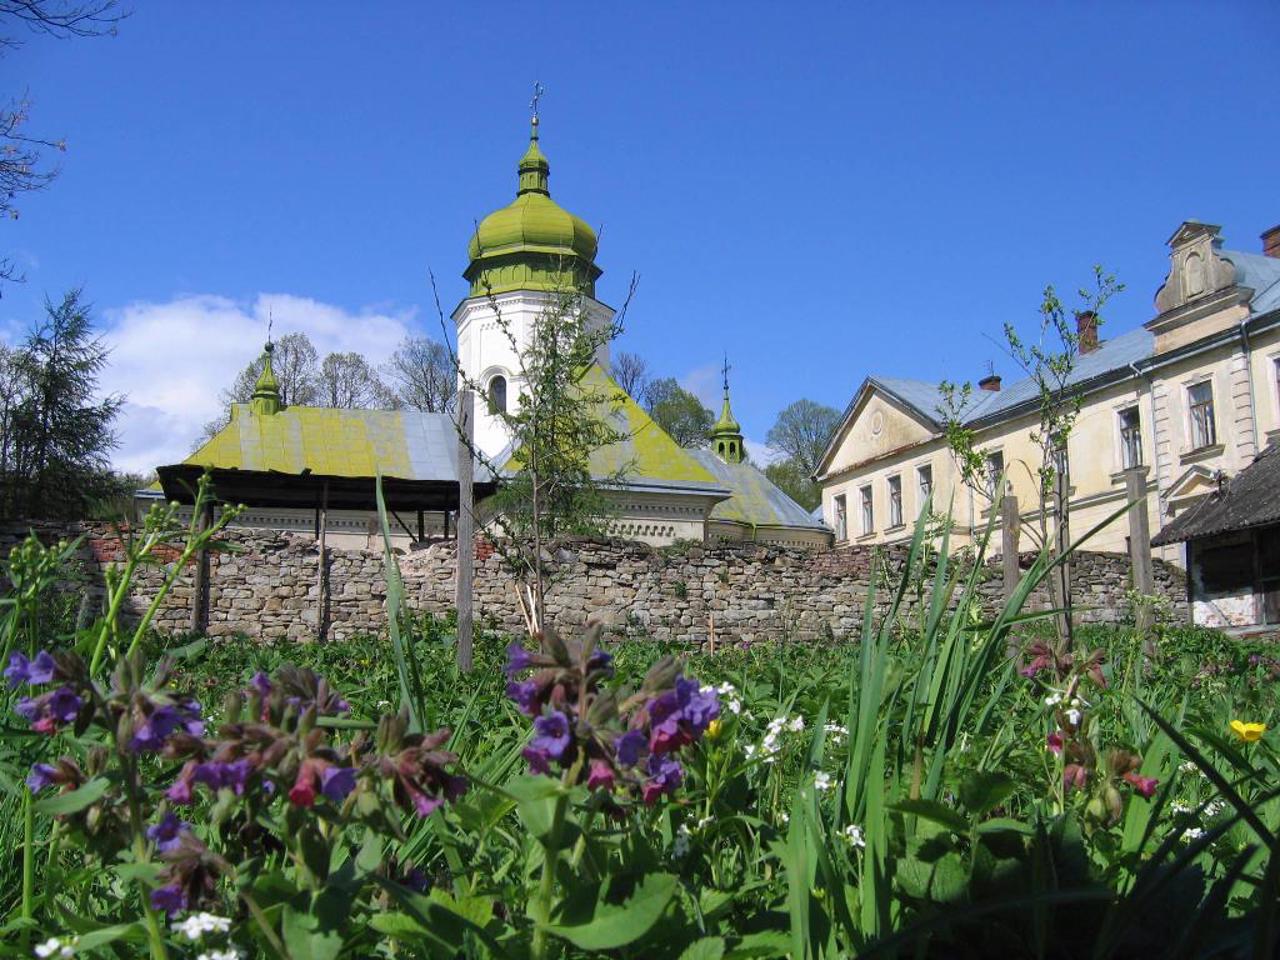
{"points": [[661, 675]]}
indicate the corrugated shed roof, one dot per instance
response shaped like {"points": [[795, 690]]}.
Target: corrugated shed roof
{"points": [[406, 444], [1251, 499], [756, 500]]}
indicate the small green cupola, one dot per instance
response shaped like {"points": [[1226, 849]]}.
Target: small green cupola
{"points": [[532, 243], [726, 435], [266, 392]]}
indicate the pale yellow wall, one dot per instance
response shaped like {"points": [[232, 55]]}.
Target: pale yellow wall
{"points": [[878, 428], [1265, 351]]}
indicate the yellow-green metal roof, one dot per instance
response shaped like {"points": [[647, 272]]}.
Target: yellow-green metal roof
{"points": [[325, 441], [756, 501]]}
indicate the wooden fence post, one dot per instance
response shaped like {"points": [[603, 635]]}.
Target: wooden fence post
{"points": [[322, 573], [200, 586], [1135, 481], [1010, 533], [466, 532]]}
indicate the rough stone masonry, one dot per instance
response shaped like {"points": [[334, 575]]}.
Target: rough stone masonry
{"points": [[265, 587]]}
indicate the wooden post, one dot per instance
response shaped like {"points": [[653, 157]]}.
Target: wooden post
{"points": [[1062, 575], [322, 573], [466, 530], [1010, 535], [422, 526], [1135, 483], [200, 586]]}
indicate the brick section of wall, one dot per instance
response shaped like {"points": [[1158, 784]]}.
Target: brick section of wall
{"points": [[265, 586]]}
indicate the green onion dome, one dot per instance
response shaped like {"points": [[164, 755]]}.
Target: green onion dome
{"points": [[533, 243]]}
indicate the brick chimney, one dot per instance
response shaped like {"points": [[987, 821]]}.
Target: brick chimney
{"points": [[1271, 241], [990, 382], [1087, 330]]}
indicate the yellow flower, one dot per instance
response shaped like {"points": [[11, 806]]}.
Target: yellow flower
{"points": [[713, 729], [1248, 732]]}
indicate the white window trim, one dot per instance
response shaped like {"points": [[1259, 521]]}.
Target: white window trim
{"points": [[866, 496], [1116, 412], [902, 507], [933, 483], [987, 454]]}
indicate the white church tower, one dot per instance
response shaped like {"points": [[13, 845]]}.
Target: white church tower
{"points": [[523, 259]]}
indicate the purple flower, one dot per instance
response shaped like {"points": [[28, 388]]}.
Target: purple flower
{"points": [[518, 658], [337, 782], [219, 775], [180, 791], [629, 746], [163, 721], [553, 735], [169, 899], [665, 774], [698, 706], [600, 660], [261, 683], [41, 776], [167, 833], [525, 695], [539, 759], [48, 710], [425, 804], [37, 671], [600, 776]]}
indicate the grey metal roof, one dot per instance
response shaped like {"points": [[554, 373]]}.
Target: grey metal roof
{"points": [[1112, 355], [755, 500], [1251, 499], [1259, 273]]}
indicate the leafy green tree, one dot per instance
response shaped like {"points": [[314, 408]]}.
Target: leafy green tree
{"points": [[678, 412], [57, 432], [794, 482], [801, 433]]}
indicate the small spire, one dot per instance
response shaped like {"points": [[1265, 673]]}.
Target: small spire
{"points": [[726, 435], [266, 392], [534, 169]]}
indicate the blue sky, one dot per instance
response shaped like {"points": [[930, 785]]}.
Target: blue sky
{"points": [[826, 191]]}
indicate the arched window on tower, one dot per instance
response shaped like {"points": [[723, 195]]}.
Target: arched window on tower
{"points": [[498, 394]]}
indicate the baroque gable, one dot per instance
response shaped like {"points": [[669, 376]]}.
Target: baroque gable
{"points": [[877, 426]]}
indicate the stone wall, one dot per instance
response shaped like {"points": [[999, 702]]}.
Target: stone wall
{"points": [[266, 586]]}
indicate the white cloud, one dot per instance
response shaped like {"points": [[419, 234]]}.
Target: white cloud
{"points": [[172, 360], [761, 453], [706, 384]]}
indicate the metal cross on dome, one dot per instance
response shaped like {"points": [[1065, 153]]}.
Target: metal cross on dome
{"points": [[725, 370], [538, 91]]}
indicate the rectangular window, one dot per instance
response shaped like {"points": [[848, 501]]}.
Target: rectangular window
{"points": [[1130, 438], [1204, 432], [995, 467], [841, 519], [868, 513], [924, 482], [895, 501]]}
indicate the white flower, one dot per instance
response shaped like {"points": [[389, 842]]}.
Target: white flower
{"points": [[704, 821], [749, 750], [382, 704], [771, 758], [57, 947], [1179, 808], [231, 953], [1074, 717], [796, 724], [734, 705], [853, 836], [1053, 700], [1192, 833], [198, 924], [822, 780], [681, 845], [1214, 807], [784, 817], [836, 732]]}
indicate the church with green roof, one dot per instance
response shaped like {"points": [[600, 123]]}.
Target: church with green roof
{"points": [[520, 260]]}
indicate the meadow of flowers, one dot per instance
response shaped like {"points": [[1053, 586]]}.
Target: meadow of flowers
{"points": [[910, 792]]}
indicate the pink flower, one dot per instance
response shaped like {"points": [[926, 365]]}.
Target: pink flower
{"points": [[601, 775], [303, 792], [1074, 776], [1054, 743], [1143, 785]]}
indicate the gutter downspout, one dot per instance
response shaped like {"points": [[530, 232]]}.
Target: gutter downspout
{"points": [[1247, 349], [1155, 445]]}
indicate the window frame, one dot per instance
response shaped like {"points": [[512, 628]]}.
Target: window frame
{"points": [[867, 505], [896, 513], [840, 516], [1124, 433], [991, 478], [1205, 429], [490, 400]]}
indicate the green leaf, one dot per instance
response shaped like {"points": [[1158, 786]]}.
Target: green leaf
{"points": [[616, 925], [535, 802], [75, 801], [306, 940], [708, 948], [984, 790], [1006, 825], [935, 812], [766, 945], [399, 926], [133, 932]]}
